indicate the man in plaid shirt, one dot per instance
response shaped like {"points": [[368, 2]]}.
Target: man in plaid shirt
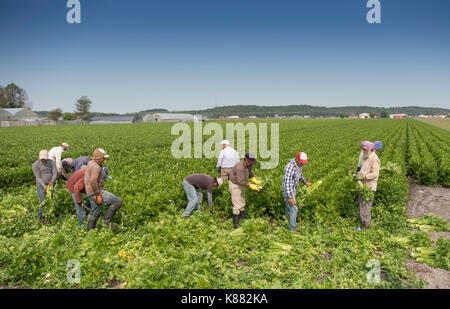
{"points": [[291, 178]]}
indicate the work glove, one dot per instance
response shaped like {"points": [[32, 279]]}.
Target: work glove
{"points": [[219, 169], [256, 181], [254, 187], [48, 187], [98, 199], [82, 204]]}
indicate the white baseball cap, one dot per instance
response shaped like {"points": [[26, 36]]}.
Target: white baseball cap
{"points": [[43, 154], [225, 142], [65, 145]]}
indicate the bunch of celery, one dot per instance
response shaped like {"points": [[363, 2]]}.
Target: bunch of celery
{"points": [[430, 223], [424, 254]]}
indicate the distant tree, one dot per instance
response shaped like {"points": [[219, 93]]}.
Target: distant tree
{"points": [[69, 116], [384, 115], [54, 114], [15, 96], [2, 97], [29, 105], [372, 115], [83, 107]]}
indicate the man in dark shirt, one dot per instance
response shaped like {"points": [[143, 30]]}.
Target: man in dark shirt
{"points": [[193, 184], [239, 176]]}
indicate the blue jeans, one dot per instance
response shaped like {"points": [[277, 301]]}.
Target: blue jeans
{"points": [[81, 211], [291, 213], [41, 195], [194, 196]]}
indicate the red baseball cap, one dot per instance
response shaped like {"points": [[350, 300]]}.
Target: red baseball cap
{"points": [[302, 157]]}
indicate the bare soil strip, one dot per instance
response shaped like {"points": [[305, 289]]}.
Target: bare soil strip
{"points": [[430, 200]]}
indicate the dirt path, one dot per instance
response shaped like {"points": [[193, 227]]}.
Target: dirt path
{"points": [[429, 200]]}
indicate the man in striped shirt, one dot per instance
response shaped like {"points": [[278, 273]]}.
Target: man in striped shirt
{"points": [[291, 178]]}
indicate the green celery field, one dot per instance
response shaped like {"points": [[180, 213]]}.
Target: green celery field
{"points": [[155, 247]]}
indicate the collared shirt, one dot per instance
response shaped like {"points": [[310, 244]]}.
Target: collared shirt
{"points": [[240, 174], [228, 157], [55, 155], [44, 172], [291, 178]]}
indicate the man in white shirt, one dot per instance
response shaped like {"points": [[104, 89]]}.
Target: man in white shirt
{"points": [[228, 157], [55, 155]]}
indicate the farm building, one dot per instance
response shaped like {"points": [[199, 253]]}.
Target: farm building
{"points": [[23, 114], [109, 119], [364, 115], [166, 117], [398, 116], [233, 117], [5, 115]]}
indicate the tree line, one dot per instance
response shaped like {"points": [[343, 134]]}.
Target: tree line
{"points": [[12, 96]]}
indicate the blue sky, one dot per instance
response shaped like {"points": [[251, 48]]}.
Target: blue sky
{"points": [[133, 55]]}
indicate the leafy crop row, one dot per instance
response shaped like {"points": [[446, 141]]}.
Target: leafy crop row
{"points": [[155, 247]]}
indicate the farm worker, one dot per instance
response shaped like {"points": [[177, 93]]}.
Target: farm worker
{"points": [[73, 165], [241, 172], [291, 178], [193, 184], [228, 157], [364, 156], [44, 170], [76, 186], [94, 185], [369, 176], [55, 155], [66, 165]]}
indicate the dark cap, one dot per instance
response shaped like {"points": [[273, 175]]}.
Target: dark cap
{"points": [[250, 156]]}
